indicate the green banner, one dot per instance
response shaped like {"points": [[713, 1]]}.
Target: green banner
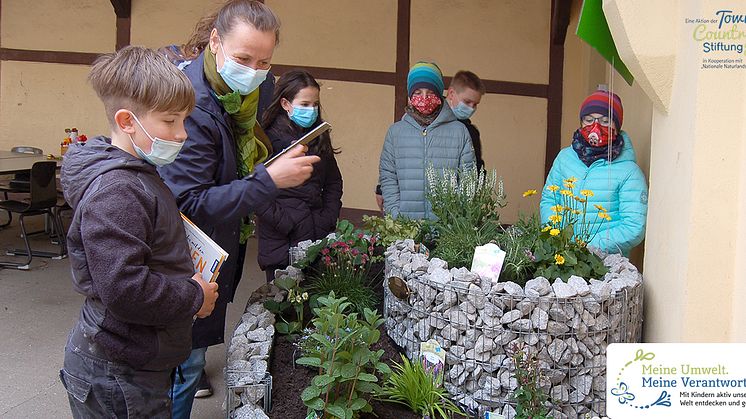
{"points": [[593, 29]]}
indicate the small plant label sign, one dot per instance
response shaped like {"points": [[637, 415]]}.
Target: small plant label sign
{"points": [[488, 261], [493, 415], [433, 358]]}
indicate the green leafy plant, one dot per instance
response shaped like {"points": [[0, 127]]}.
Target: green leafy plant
{"points": [[391, 229], [352, 243], [518, 242], [466, 203], [561, 249], [529, 396], [347, 280], [457, 241], [293, 303], [347, 367], [415, 387], [344, 267], [470, 195]]}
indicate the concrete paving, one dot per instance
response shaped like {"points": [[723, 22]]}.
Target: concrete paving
{"points": [[37, 309]]}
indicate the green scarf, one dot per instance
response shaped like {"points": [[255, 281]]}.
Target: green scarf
{"points": [[242, 109]]}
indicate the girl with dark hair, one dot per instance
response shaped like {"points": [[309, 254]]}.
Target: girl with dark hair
{"points": [[309, 211]]}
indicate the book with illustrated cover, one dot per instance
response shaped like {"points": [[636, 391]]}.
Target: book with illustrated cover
{"points": [[206, 255]]}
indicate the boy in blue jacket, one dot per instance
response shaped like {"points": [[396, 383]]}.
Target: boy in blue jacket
{"points": [[127, 245], [602, 159]]}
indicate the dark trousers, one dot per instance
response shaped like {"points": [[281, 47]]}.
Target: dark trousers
{"points": [[98, 388]]}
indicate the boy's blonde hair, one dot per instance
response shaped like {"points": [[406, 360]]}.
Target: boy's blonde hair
{"points": [[140, 80], [468, 79]]}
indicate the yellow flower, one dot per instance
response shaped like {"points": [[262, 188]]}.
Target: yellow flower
{"points": [[600, 208], [586, 192], [576, 212], [568, 185], [554, 232], [557, 208], [529, 192], [555, 218], [545, 229], [604, 216], [580, 242], [581, 200], [572, 179], [559, 260], [566, 192], [553, 188]]}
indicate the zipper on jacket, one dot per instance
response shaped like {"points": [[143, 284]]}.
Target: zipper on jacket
{"points": [[424, 132]]}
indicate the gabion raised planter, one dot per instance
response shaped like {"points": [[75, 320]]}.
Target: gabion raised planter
{"points": [[567, 325], [247, 377]]}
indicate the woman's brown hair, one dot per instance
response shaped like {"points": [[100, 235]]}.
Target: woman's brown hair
{"points": [[224, 20]]}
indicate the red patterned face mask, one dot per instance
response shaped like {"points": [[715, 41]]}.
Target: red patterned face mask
{"points": [[425, 104], [597, 135]]}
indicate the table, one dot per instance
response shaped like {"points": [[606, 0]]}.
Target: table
{"points": [[11, 162]]}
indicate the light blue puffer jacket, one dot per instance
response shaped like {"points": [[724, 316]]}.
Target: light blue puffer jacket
{"points": [[409, 149], [620, 187]]}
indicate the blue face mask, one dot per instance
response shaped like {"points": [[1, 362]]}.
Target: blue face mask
{"points": [[240, 78], [162, 153], [463, 111], [304, 116]]}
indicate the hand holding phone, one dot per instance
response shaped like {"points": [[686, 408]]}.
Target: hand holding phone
{"points": [[304, 140]]}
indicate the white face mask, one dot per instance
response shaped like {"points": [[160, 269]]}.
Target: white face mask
{"points": [[163, 151], [240, 78]]}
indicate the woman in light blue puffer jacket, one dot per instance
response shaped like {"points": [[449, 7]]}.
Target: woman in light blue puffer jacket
{"points": [[428, 134], [618, 184]]}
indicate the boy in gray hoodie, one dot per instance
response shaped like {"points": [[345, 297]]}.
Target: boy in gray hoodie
{"points": [[127, 245]]}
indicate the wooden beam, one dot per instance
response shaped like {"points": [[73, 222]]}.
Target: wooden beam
{"points": [[123, 32], [560, 20], [123, 11], [554, 105], [403, 39], [340, 74], [57, 57], [122, 8], [511, 88]]}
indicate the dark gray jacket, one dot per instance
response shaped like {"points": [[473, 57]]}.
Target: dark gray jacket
{"points": [[129, 257]]}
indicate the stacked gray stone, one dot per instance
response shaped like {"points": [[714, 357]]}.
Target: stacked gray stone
{"points": [[566, 324], [247, 366]]}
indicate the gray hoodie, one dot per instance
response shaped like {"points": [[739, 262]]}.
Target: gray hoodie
{"points": [[129, 257]]}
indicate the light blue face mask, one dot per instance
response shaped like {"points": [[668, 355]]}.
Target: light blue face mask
{"points": [[242, 79], [162, 153], [463, 111], [304, 116]]}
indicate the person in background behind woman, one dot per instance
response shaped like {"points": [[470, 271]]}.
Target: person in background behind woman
{"points": [[428, 135], [309, 211]]}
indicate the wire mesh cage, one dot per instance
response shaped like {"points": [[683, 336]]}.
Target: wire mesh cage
{"points": [[241, 393], [247, 378], [478, 322]]}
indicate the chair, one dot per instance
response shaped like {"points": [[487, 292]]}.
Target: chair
{"points": [[42, 200], [20, 181]]}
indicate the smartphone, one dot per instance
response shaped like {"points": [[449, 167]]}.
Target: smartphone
{"points": [[304, 140]]}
